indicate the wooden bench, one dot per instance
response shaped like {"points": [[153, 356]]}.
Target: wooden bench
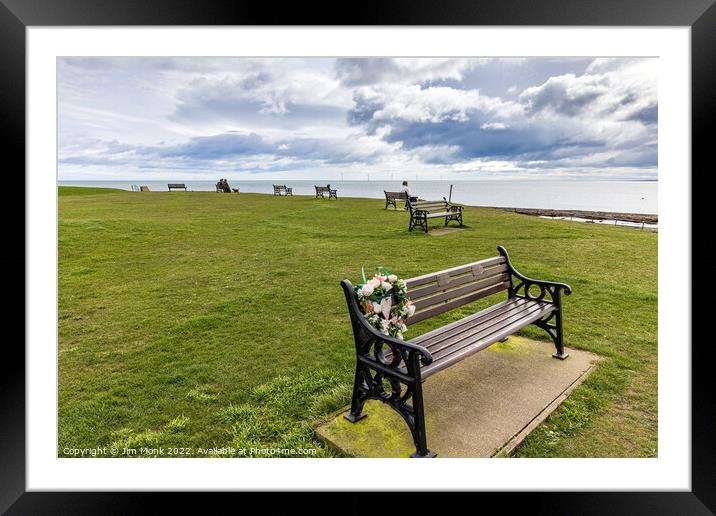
{"points": [[392, 370], [143, 188], [322, 190], [391, 197], [421, 211], [282, 190], [176, 186]]}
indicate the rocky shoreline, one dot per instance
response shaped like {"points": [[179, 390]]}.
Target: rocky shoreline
{"points": [[637, 218]]}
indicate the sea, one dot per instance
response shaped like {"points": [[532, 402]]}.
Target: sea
{"points": [[610, 196]]}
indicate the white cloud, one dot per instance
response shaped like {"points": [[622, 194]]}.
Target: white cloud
{"points": [[434, 104], [354, 72], [493, 126]]}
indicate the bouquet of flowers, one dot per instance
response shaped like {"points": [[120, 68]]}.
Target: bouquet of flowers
{"points": [[384, 301]]}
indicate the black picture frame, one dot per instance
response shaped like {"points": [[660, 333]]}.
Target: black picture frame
{"points": [[17, 15]]}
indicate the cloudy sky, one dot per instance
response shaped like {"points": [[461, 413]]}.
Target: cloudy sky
{"points": [[240, 118]]}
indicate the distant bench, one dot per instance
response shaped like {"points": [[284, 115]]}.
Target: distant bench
{"points": [[177, 186], [421, 211], [282, 190], [393, 370], [322, 190], [391, 197]]}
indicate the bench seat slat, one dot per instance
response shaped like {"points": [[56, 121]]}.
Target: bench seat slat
{"points": [[478, 343], [479, 319], [443, 214], [448, 344], [510, 306]]}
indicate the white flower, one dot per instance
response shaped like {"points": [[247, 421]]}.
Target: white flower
{"points": [[411, 310], [385, 285], [375, 283], [366, 290], [376, 307], [392, 278]]}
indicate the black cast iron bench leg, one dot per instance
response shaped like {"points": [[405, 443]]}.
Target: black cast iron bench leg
{"points": [[418, 428], [413, 416]]}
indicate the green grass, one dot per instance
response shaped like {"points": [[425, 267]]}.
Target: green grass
{"points": [[199, 320], [80, 190]]}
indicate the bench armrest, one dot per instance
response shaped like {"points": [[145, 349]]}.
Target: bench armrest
{"points": [[557, 286], [425, 356]]}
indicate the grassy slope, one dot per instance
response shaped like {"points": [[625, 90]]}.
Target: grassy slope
{"points": [[199, 319], [63, 191]]}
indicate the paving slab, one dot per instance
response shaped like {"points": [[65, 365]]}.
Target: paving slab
{"points": [[484, 406]]}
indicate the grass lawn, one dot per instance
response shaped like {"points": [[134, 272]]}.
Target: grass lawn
{"points": [[203, 320]]}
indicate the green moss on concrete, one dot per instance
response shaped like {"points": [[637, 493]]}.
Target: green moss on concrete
{"points": [[382, 434], [512, 345]]}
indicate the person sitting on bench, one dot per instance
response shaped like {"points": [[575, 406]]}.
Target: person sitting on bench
{"points": [[406, 189]]}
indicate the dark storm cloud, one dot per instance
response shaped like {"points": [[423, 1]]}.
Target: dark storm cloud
{"points": [[227, 146], [469, 140], [647, 115], [361, 71], [221, 146], [561, 95]]}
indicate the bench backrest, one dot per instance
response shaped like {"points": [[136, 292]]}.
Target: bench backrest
{"points": [[323, 188], [442, 291], [279, 187], [427, 205], [395, 195], [143, 188], [176, 185]]}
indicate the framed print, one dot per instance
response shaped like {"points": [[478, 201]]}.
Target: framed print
{"points": [[470, 224]]}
